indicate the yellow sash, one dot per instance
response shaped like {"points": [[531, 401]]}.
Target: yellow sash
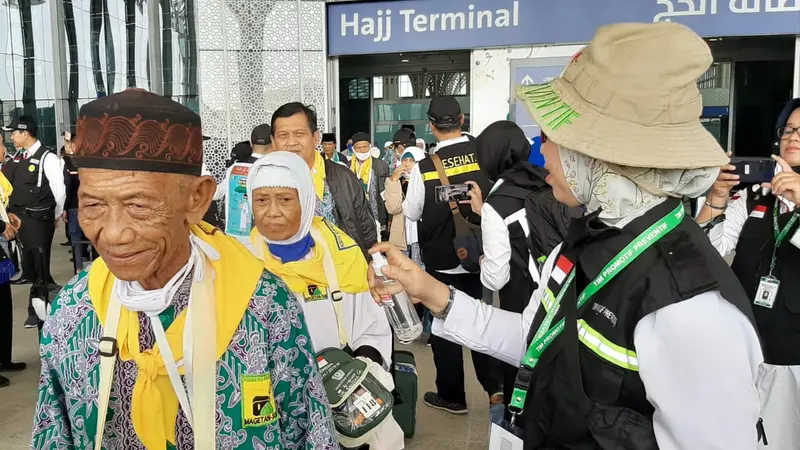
{"points": [[154, 403]]}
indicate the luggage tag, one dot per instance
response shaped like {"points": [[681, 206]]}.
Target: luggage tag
{"points": [[767, 292], [505, 437]]}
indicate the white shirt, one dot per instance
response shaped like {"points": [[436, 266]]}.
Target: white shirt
{"points": [[698, 360], [364, 321], [414, 203], [725, 235], [54, 172]]}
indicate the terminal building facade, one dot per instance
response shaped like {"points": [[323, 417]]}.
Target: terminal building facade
{"points": [[369, 66]]}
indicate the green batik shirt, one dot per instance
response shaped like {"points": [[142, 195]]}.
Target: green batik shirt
{"points": [[272, 343]]}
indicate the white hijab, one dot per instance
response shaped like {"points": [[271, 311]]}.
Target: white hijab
{"points": [[416, 152], [285, 169], [626, 193]]}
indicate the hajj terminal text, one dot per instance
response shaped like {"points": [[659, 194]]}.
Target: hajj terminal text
{"points": [[381, 26]]}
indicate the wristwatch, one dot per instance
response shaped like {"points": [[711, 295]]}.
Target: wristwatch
{"points": [[443, 314]]}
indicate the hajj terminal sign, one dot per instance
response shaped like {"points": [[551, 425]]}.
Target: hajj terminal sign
{"points": [[426, 25]]}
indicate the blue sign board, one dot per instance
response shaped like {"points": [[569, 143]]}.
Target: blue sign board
{"points": [[527, 72], [425, 25]]}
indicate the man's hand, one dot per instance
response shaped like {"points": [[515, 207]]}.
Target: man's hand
{"points": [[64, 216], [421, 287], [475, 197], [9, 232], [15, 222], [785, 184]]}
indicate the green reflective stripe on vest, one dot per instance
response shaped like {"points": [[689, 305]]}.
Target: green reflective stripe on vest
{"points": [[609, 351], [545, 335]]}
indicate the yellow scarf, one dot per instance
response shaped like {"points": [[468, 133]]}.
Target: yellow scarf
{"points": [[154, 403], [319, 175], [351, 267], [364, 172]]}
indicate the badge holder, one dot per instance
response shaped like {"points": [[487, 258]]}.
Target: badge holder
{"points": [[767, 291]]}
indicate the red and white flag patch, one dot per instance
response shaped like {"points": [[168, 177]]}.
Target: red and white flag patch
{"points": [[759, 211], [562, 269]]}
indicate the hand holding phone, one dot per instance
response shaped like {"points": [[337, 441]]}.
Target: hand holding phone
{"points": [[754, 169], [452, 193]]}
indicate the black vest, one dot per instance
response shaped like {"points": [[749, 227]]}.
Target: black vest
{"points": [[29, 191], [779, 327], [436, 228], [581, 401], [516, 294]]}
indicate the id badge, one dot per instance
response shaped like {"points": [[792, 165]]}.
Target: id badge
{"points": [[796, 238], [505, 437], [767, 292]]}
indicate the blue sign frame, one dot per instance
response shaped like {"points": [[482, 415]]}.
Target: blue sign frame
{"points": [[427, 25]]}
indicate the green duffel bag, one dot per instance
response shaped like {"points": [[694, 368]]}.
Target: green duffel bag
{"points": [[406, 385]]}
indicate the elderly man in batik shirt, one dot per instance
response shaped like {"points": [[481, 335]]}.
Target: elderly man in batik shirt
{"points": [[176, 338]]}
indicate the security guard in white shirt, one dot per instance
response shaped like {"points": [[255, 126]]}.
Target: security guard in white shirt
{"points": [[38, 200]]}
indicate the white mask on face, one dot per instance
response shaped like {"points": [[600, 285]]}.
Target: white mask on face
{"points": [[363, 156]]}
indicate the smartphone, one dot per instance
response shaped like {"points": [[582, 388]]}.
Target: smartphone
{"points": [[452, 193], [754, 169]]}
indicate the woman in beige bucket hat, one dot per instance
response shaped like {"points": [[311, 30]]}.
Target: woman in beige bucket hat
{"points": [[639, 335]]}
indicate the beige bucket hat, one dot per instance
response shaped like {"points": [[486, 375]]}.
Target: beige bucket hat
{"points": [[630, 98]]}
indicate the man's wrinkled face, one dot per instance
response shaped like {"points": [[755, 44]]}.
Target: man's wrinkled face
{"points": [[139, 221], [277, 212], [361, 147], [329, 148], [293, 134]]}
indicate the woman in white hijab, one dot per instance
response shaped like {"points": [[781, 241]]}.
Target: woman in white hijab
{"points": [[296, 246], [639, 335]]}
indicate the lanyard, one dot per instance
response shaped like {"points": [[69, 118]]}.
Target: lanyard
{"points": [[545, 335], [780, 235]]}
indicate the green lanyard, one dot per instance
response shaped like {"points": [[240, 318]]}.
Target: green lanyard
{"points": [[780, 235], [545, 335]]}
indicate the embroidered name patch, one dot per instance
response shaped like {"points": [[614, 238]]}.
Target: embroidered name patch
{"points": [[315, 293], [258, 402]]}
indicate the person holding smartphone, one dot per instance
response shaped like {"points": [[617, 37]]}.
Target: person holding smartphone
{"points": [[761, 225]]}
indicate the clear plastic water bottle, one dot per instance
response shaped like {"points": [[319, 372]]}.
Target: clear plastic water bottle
{"points": [[398, 307]]}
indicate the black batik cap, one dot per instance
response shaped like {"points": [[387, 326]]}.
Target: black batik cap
{"points": [[329, 137]]}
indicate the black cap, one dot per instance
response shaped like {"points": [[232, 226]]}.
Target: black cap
{"points": [[405, 137], [262, 135], [445, 110], [329, 137], [23, 123], [242, 151], [360, 137], [409, 126]]}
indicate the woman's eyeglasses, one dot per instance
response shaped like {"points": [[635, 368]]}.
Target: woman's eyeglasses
{"points": [[784, 133]]}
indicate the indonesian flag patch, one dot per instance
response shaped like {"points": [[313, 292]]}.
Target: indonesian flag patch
{"points": [[562, 269], [759, 211]]}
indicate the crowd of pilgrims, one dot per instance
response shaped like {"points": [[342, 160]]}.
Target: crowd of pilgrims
{"points": [[619, 324]]}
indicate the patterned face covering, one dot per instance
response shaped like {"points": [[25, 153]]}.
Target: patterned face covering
{"points": [[625, 193]]}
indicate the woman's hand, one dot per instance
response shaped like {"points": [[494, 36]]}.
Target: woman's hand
{"points": [[421, 287], [721, 190], [398, 173], [475, 197], [785, 184]]}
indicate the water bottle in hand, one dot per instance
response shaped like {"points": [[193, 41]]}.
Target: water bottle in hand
{"points": [[398, 307]]}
